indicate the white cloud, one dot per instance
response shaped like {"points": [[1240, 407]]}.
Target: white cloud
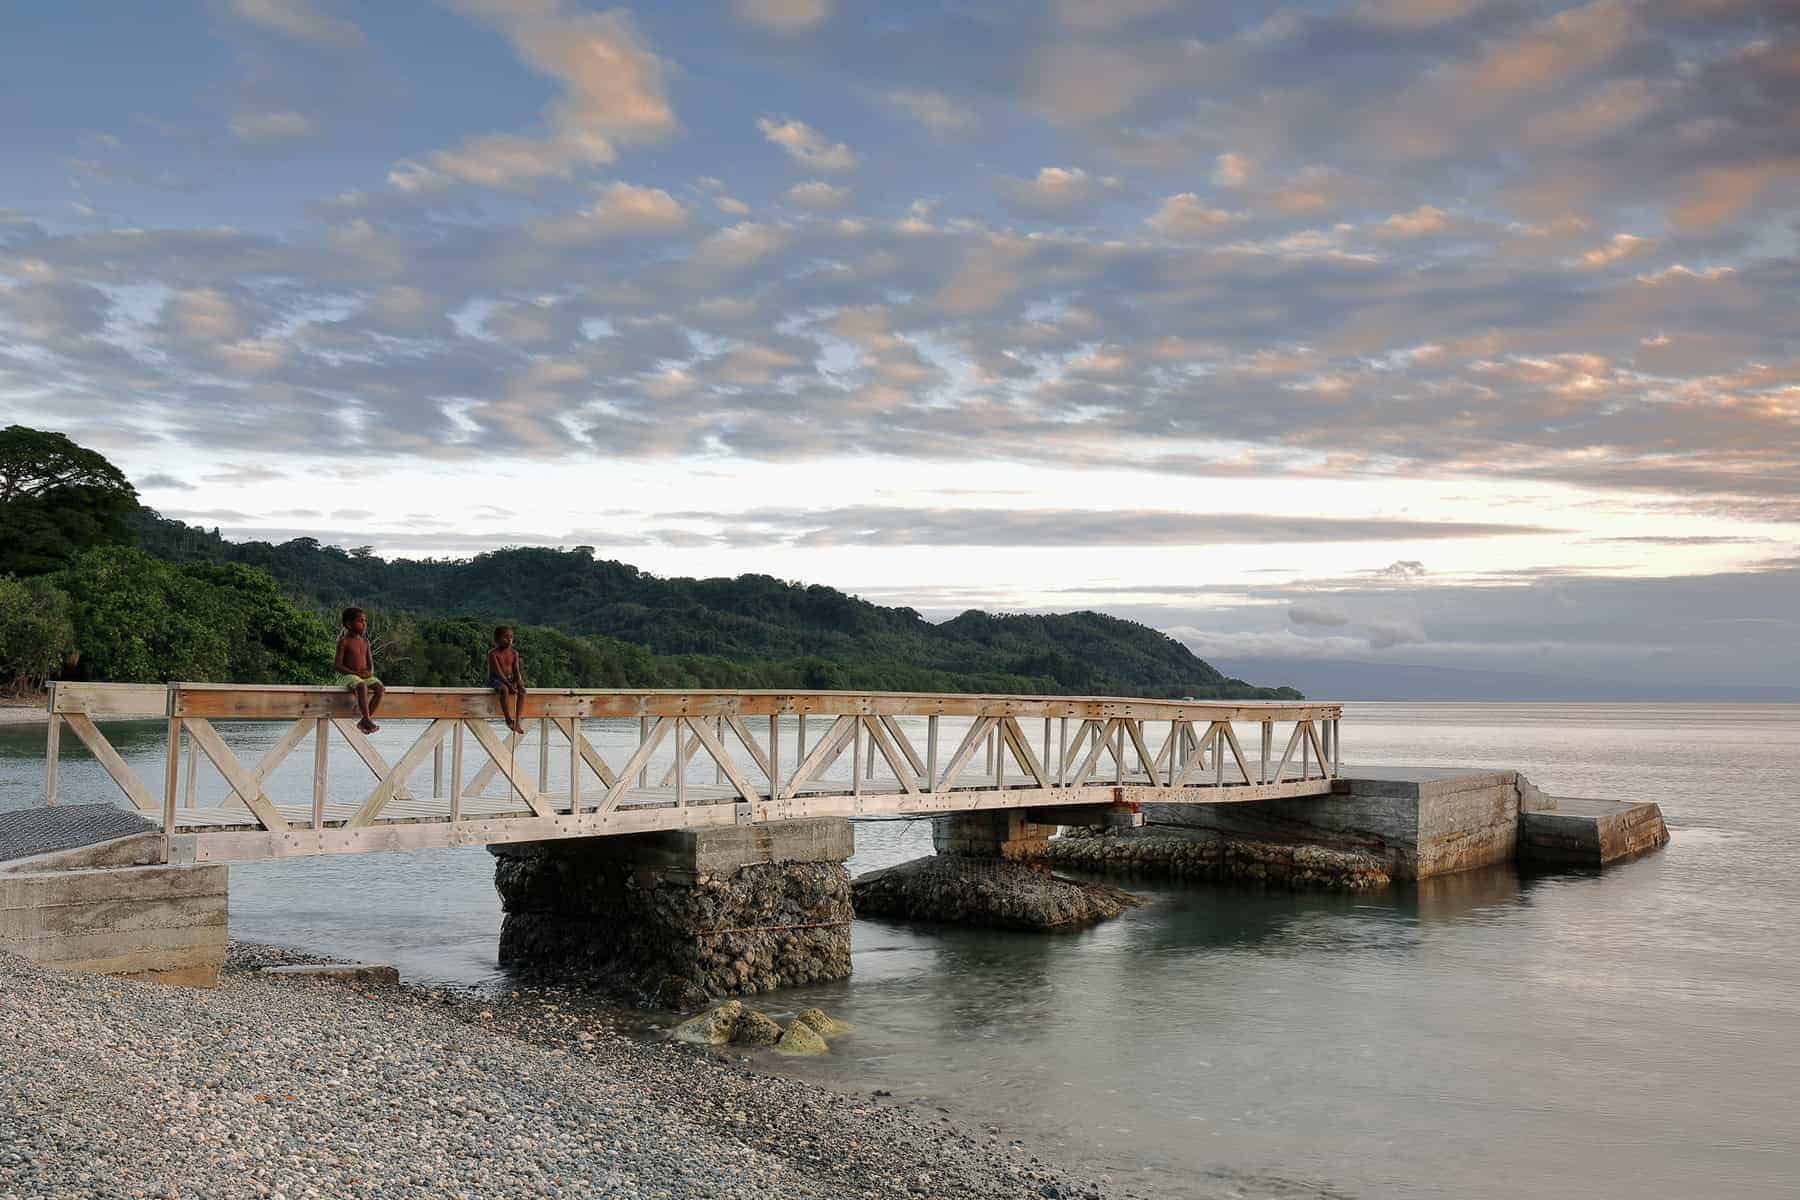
{"points": [[936, 111], [1422, 221], [1231, 170], [783, 16], [300, 20], [818, 196], [623, 208], [1620, 247], [1186, 215], [808, 146], [1054, 191], [612, 94], [270, 126]]}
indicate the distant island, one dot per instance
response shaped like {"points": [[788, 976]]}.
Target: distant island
{"points": [[94, 584]]}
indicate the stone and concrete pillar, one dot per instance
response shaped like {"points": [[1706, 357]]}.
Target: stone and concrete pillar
{"points": [[684, 916], [1002, 833]]}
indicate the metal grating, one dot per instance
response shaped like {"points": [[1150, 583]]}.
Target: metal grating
{"points": [[40, 830]]}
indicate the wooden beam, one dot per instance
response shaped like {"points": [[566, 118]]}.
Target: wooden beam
{"points": [[428, 741], [650, 737], [245, 784], [965, 750], [737, 726], [116, 768], [503, 758], [365, 750], [52, 756], [897, 763], [709, 740], [1021, 748], [823, 753], [321, 778], [892, 725]]}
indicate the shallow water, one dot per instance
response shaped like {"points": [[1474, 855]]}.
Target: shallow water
{"points": [[1483, 1035]]}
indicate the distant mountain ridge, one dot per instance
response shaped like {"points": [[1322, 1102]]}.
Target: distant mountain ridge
{"points": [[1327, 679], [749, 619]]}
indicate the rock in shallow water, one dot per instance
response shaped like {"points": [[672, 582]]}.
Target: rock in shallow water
{"points": [[973, 891], [800, 1038], [756, 1029], [711, 1028], [824, 1025]]}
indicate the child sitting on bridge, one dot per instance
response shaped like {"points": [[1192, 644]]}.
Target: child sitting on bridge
{"points": [[506, 675], [355, 665]]}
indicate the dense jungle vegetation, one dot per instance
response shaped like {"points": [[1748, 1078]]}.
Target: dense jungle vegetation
{"points": [[94, 585]]}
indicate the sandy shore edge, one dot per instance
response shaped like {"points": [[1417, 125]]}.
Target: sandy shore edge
{"points": [[23, 714], [308, 1088]]}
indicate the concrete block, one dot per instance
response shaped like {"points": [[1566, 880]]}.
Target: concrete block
{"points": [[1590, 833], [995, 833], [161, 923], [378, 974], [720, 850]]}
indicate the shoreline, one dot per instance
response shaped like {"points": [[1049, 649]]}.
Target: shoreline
{"points": [[322, 1088], [24, 714]]}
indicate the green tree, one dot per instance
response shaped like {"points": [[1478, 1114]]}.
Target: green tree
{"points": [[35, 631], [57, 499]]}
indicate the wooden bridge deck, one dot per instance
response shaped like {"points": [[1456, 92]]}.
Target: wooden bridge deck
{"points": [[1093, 752]]}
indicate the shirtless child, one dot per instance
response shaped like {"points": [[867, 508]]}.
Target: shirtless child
{"points": [[506, 675], [355, 666]]}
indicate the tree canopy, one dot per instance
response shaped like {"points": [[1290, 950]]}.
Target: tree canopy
{"points": [[56, 500]]}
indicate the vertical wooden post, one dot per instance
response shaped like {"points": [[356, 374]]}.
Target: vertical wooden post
{"points": [[574, 765], [856, 741], [1119, 754], [1268, 737], [456, 776], [990, 752], [543, 784], [1062, 755], [931, 739], [1305, 750], [719, 733], [1337, 750], [680, 766], [774, 755], [193, 769], [437, 770], [800, 746], [321, 751], [171, 780], [999, 749], [869, 759], [1046, 744], [1219, 758], [52, 757], [643, 736]]}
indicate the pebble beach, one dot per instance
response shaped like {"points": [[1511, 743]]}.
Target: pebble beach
{"points": [[293, 1087]]}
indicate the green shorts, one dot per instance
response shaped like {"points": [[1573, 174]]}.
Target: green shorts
{"points": [[355, 681]]}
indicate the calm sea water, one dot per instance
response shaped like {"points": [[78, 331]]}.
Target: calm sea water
{"points": [[1635, 1034]]}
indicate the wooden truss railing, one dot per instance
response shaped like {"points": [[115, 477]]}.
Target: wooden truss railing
{"points": [[1089, 751]]}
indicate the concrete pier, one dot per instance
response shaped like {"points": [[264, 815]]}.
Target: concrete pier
{"points": [[684, 916], [1589, 833], [93, 898]]}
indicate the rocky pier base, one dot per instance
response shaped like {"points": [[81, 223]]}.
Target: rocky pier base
{"points": [[988, 871], [681, 918], [1197, 854]]}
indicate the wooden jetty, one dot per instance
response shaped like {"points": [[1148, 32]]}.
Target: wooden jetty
{"points": [[774, 756]]}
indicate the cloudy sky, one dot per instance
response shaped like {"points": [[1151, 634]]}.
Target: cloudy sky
{"points": [[1456, 332]]}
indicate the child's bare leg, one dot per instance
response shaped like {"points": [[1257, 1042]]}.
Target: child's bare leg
{"points": [[361, 692], [376, 691], [519, 709], [505, 695]]}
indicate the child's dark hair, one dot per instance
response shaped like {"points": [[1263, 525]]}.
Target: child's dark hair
{"points": [[350, 614], [500, 629]]}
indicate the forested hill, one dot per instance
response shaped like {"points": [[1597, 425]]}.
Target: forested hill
{"points": [[808, 636]]}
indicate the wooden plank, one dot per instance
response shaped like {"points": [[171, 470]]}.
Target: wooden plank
{"points": [[897, 762], [171, 765], [247, 701], [321, 777], [1312, 735], [501, 755], [1237, 751], [709, 740], [52, 756], [247, 786], [430, 740], [1293, 740], [116, 768], [1136, 730], [456, 772], [365, 750], [589, 754], [1102, 742], [111, 699]]}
